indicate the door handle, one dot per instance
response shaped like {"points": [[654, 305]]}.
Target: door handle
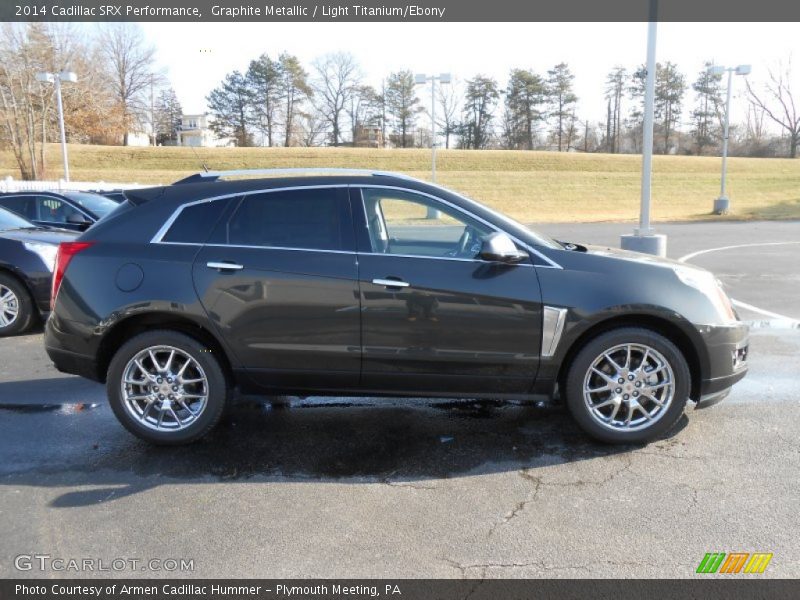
{"points": [[391, 283], [225, 266]]}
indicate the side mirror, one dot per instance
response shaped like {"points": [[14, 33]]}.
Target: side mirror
{"points": [[498, 247], [78, 219]]}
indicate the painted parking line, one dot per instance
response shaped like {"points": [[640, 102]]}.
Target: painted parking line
{"points": [[777, 320], [721, 248]]}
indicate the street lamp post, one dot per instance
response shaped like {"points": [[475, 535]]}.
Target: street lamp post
{"points": [[443, 79], [722, 204], [644, 239], [56, 79]]}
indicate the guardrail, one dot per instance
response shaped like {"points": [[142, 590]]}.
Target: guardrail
{"points": [[9, 184]]}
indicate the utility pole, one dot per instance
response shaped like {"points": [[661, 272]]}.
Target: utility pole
{"points": [[722, 204], [443, 79], [644, 239]]}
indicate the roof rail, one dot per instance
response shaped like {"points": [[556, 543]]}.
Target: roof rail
{"points": [[295, 172]]}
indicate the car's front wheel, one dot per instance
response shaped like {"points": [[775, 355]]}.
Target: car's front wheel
{"points": [[166, 387], [628, 385]]}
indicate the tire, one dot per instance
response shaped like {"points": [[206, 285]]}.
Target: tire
{"points": [[17, 311], [195, 397], [657, 378]]}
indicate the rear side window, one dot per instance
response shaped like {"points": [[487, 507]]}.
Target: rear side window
{"points": [[195, 223], [310, 219], [24, 206]]}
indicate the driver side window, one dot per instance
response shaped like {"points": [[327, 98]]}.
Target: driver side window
{"points": [[53, 210], [406, 223]]}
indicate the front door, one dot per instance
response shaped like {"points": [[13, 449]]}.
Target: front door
{"points": [[279, 280], [435, 317]]}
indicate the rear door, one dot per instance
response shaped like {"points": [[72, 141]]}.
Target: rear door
{"points": [[279, 281]]}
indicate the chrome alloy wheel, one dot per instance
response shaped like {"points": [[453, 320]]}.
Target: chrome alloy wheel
{"points": [[9, 306], [164, 388], [629, 387]]}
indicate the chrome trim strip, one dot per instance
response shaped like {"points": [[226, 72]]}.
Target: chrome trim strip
{"points": [[224, 266], [159, 236], [550, 265], [391, 283], [297, 171], [472, 260], [272, 248], [552, 327]]}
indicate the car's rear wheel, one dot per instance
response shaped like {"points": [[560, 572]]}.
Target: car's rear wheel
{"points": [[17, 311], [628, 385], [166, 387]]}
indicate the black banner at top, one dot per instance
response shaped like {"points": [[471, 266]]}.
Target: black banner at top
{"points": [[399, 10]]}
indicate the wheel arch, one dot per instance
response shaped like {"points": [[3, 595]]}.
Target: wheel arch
{"points": [[660, 325], [131, 326]]}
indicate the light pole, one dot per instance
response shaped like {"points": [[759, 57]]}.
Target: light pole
{"points": [[722, 204], [57, 78], [443, 79], [644, 239]]}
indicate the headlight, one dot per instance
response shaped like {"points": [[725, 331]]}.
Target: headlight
{"points": [[47, 252], [706, 283]]}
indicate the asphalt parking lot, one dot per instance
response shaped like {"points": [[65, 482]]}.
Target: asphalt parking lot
{"points": [[420, 488]]}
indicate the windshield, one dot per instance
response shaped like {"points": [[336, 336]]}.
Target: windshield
{"points": [[9, 220], [513, 227], [94, 203]]}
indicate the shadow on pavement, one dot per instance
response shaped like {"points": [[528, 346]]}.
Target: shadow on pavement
{"points": [[337, 440]]}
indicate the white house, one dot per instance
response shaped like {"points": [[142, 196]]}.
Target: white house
{"points": [[194, 131]]}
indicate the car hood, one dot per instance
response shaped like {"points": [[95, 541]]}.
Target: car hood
{"points": [[40, 235], [637, 257]]}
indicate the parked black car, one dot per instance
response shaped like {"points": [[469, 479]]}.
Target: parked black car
{"points": [[27, 257], [376, 284], [68, 210], [117, 196]]}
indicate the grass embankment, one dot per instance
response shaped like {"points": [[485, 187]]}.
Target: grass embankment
{"points": [[530, 186]]}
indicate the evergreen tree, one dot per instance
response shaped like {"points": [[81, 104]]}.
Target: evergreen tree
{"points": [[525, 99], [562, 99], [402, 106], [231, 108]]}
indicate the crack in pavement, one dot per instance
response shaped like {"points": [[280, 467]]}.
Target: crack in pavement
{"points": [[542, 565], [520, 506], [537, 481]]}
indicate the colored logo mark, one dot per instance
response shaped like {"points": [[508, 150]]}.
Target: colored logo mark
{"points": [[735, 562]]}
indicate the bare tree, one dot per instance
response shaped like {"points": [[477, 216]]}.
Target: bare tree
{"points": [[448, 98], [364, 111], [131, 62], [25, 103], [311, 127], [337, 75], [778, 103]]}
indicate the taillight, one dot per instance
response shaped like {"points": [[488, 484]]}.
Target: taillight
{"points": [[66, 251]]}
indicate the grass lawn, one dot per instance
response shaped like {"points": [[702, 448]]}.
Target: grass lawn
{"points": [[530, 186]]}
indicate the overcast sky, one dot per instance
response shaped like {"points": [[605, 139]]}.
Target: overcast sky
{"points": [[197, 56]]}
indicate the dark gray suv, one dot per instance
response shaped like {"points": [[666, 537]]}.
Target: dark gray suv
{"points": [[382, 285]]}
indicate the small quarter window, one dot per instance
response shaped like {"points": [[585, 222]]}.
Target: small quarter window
{"points": [[194, 223]]}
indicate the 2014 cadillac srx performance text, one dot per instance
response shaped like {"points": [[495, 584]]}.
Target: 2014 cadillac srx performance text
{"points": [[381, 285]]}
